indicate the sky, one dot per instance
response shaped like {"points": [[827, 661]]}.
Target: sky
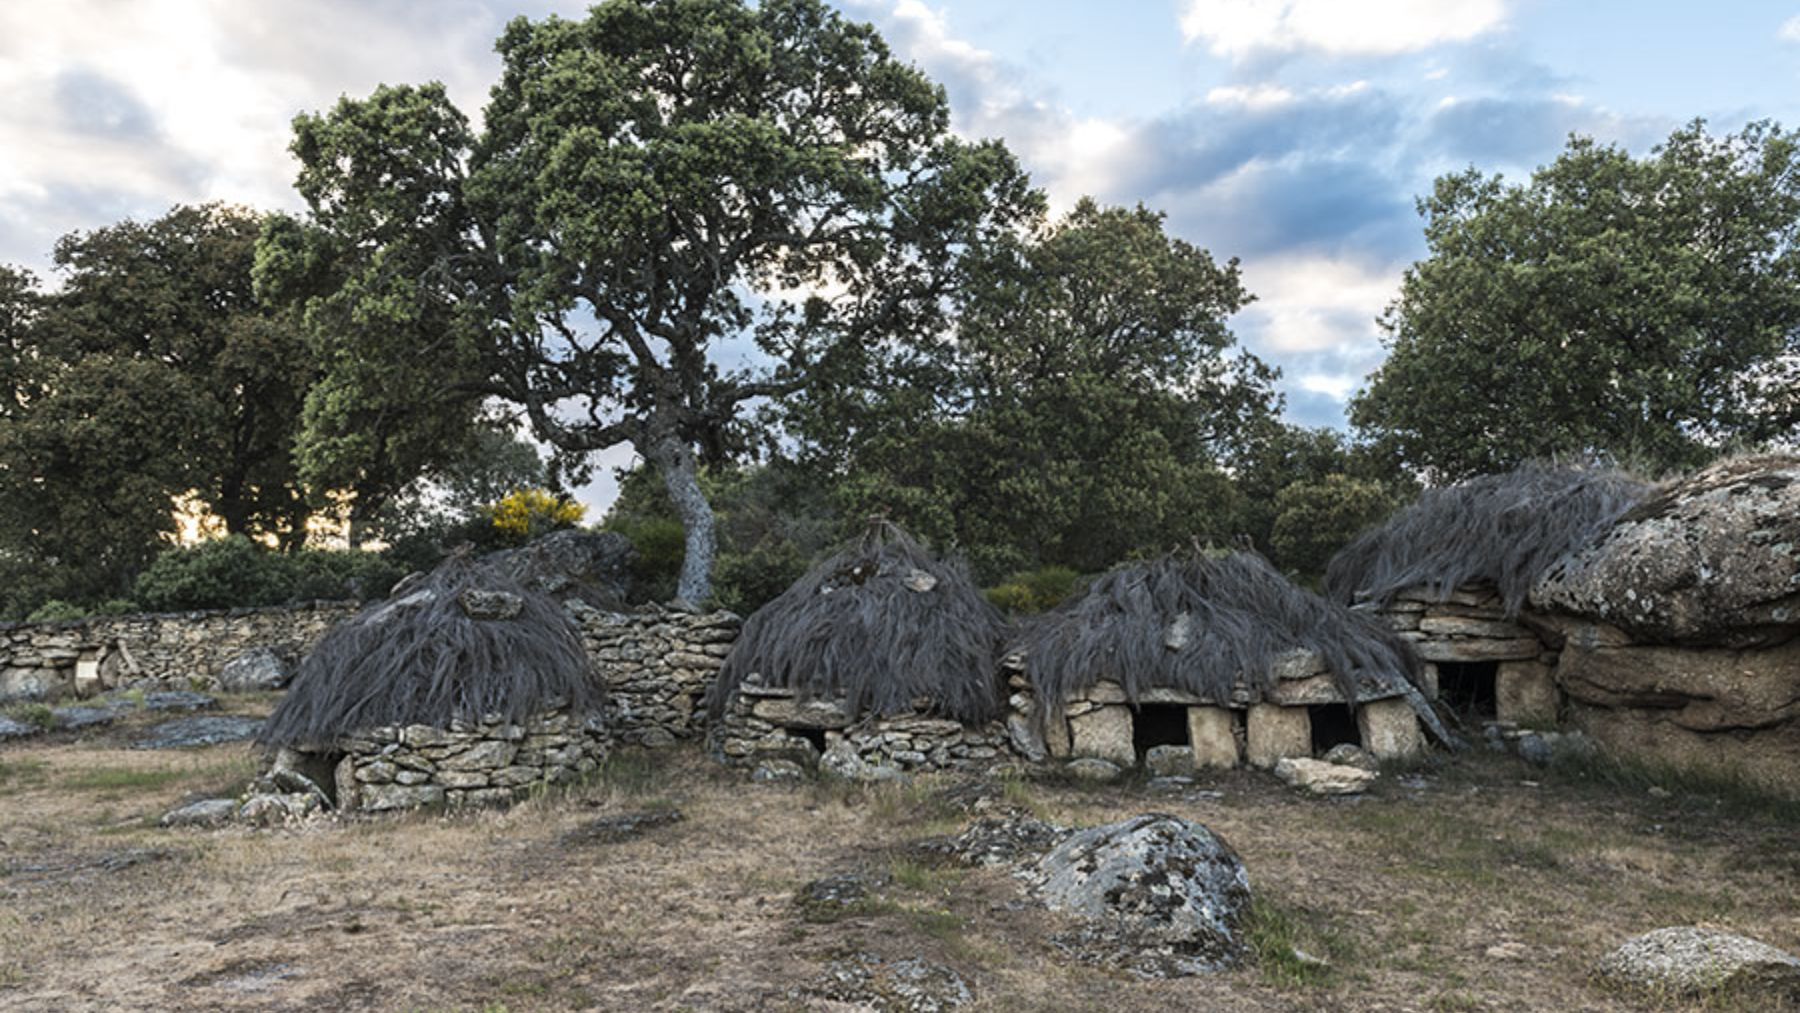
{"points": [[1293, 135]]}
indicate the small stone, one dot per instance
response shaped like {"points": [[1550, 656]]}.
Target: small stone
{"points": [[919, 581], [778, 771], [209, 812], [1169, 761], [1349, 754], [385, 797], [1088, 768], [1320, 778], [490, 605], [378, 772]]}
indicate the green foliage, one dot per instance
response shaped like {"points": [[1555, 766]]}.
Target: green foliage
{"points": [[1034, 591], [151, 375], [1314, 519], [1080, 412], [56, 611], [661, 545], [649, 180], [233, 572], [1647, 308]]}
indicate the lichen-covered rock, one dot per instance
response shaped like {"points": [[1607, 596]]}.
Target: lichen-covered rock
{"points": [[999, 840], [593, 567], [490, 605], [1687, 961], [208, 812], [259, 669], [1317, 777], [1159, 895], [1714, 558], [908, 985]]}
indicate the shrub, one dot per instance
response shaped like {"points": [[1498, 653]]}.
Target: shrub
{"points": [[1034, 591], [661, 547], [56, 611], [527, 513], [234, 572]]}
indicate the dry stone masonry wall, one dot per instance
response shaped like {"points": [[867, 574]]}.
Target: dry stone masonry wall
{"points": [[763, 723], [658, 665], [170, 651], [1470, 627], [482, 763]]}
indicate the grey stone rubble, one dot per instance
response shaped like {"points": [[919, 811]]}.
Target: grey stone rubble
{"points": [[658, 665], [184, 650], [1157, 895], [1687, 961], [763, 723], [1008, 840], [208, 812]]}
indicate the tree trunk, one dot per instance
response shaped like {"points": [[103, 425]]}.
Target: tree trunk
{"points": [[675, 459]]}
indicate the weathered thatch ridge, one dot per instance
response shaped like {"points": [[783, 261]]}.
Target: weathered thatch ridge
{"points": [[881, 625], [1212, 627], [419, 658], [1506, 530]]}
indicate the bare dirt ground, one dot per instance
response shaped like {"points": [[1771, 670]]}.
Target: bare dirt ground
{"points": [[1476, 884]]}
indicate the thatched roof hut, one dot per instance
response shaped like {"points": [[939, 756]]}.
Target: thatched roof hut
{"points": [[1214, 628], [883, 626], [1505, 530], [457, 644]]}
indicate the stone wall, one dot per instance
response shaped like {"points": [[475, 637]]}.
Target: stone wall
{"points": [[486, 763], [658, 665], [168, 651], [1101, 724], [763, 724], [1470, 626]]}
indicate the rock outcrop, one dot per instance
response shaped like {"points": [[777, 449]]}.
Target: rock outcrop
{"points": [[1713, 559], [590, 566], [1689, 962]]}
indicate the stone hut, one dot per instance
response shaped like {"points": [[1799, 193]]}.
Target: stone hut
{"points": [[881, 658], [462, 688], [1204, 661], [1452, 573]]}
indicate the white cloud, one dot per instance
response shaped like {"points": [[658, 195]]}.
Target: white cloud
{"points": [[1253, 96], [1311, 302], [1335, 386], [1789, 30], [1241, 28]]}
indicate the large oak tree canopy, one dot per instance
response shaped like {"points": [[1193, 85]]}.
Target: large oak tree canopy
{"points": [[653, 180], [1647, 308]]}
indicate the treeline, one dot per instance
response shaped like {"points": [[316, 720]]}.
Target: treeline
{"points": [[742, 241]]}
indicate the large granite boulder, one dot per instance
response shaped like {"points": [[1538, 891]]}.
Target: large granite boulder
{"points": [[257, 670], [1156, 894], [1713, 559], [592, 566]]}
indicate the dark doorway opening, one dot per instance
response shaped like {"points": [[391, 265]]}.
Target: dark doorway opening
{"points": [[816, 736], [1158, 724], [1333, 724], [320, 769], [1467, 687]]}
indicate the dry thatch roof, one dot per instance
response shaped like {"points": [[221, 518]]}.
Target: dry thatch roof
{"points": [[1505, 530], [883, 625], [420, 658], [1212, 627]]}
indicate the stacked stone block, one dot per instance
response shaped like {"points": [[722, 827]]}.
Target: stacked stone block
{"points": [[1471, 626], [489, 762], [658, 665]]}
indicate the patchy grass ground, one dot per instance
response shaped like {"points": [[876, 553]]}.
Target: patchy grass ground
{"points": [[1480, 887]]}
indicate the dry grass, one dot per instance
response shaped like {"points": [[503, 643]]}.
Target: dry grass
{"points": [[1477, 892]]}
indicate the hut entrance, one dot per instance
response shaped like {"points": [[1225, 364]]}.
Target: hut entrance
{"points": [[816, 736], [1333, 724], [319, 768], [1468, 687], [1158, 724]]}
